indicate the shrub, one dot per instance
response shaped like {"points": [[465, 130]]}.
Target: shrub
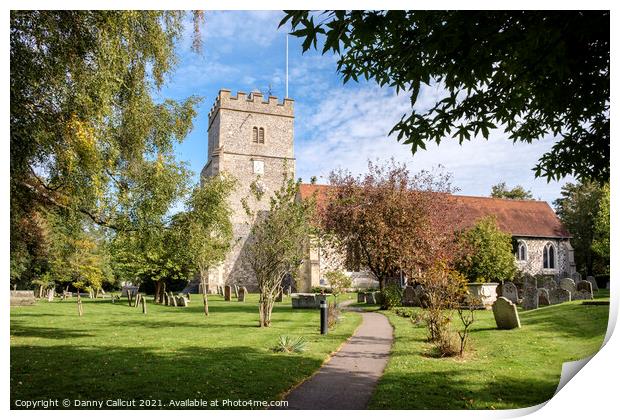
{"points": [[338, 281], [391, 296], [333, 314], [446, 344], [288, 344]]}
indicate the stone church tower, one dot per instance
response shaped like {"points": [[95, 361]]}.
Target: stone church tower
{"points": [[252, 140]]}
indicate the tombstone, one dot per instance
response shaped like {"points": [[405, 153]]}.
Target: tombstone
{"points": [[227, 293], [509, 291], [220, 290], [236, 291], [143, 305], [183, 301], [137, 300], [505, 313], [530, 281], [304, 301], [172, 300], [559, 295], [370, 298], [543, 297], [568, 284], [549, 284], [361, 297], [242, 293], [576, 277], [592, 281], [279, 295], [165, 301], [530, 298], [409, 297], [50, 295], [66, 294], [22, 297], [584, 291], [113, 299], [288, 290]]}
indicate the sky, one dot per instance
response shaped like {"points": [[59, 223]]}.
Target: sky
{"points": [[336, 125]]}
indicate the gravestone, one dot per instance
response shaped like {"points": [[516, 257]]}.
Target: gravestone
{"points": [[22, 297], [559, 295], [576, 276], [530, 281], [304, 301], [165, 301], [409, 298], [509, 291], [183, 301], [568, 284], [584, 291], [592, 281], [242, 292], [279, 295], [66, 294], [543, 297], [172, 299], [50, 295], [370, 298], [236, 291], [288, 290], [361, 297], [227, 293], [530, 298], [505, 313], [549, 284]]}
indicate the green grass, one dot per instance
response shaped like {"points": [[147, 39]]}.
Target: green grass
{"points": [[505, 369], [114, 351]]}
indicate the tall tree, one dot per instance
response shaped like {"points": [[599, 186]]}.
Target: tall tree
{"points": [[528, 73], [277, 242], [501, 190], [600, 244], [390, 221], [208, 227], [578, 208], [87, 135]]}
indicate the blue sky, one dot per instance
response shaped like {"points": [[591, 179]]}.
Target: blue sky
{"points": [[336, 125]]}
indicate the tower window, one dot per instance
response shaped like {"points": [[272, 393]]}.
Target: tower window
{"points": [[255, 135], [261, 135], [549, 256]]}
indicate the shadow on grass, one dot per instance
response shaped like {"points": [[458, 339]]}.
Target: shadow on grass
{"points": [[568, 319], [109, 372], [18, 329], [454, 389]]}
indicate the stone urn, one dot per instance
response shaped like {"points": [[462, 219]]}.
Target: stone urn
{"points": [[486, 292]]}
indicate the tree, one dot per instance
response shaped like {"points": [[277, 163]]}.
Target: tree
{"points": [[338, 281], [87, 135], [600, 244], [277, 243], [208, 227], [517, 193], [389, 221], [489, 255], [528, 73], [578, 208]]}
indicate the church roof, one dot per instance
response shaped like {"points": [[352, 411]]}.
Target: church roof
{"points": [[526, 218]]}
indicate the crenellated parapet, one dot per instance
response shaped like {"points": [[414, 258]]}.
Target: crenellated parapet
{"points": [[254, 102]]}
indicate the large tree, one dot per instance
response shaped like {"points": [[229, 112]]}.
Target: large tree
{"points": [[578, 208], [389, 221], [87, 134], [531, 74], [501, 190]]}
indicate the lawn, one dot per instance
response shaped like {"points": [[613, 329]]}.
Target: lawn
{"points": [[505, 369], [114, 351]]}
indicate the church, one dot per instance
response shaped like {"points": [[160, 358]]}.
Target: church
{"points": [[252, 138]]}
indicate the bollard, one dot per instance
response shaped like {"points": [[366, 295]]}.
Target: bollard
{"points": [[323, 308]]}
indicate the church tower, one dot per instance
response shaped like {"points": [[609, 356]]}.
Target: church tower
{"points": [[252, 140]]}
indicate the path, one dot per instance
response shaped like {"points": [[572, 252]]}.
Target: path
{"points": [[348, 379]]}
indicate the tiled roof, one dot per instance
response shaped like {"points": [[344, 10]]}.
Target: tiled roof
{"points": [[526, 218]]}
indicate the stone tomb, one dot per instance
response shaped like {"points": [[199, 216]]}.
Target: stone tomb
{"points": [[568, 284], [509, 291], [543, 297], [22, 297], [505, 313], [559, 295], [592, 281], [227, 293], [584, 291], [242, 293], [530, 298], [304, 301]]}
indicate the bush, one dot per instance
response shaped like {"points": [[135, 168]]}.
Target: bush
{"points": [[288, 344], [320, 289], [446, 344], [333, 314], [338, 281], [391, 296]]}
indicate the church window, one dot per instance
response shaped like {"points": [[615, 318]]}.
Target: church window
{"points": [[549, 256], [521, 251], [255, 135], [261, 135]]}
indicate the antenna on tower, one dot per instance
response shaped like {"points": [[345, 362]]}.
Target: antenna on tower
{"points": [[286, 78]]}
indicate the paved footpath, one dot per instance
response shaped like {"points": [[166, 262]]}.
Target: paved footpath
{"points": [[348, 379]]}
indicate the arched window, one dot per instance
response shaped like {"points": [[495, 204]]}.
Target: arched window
{"points": [[521, 251], [255, 134], [549, 256], [261, 135]]}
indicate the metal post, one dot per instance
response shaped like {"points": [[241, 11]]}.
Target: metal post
{"points": [[323, 308]]}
